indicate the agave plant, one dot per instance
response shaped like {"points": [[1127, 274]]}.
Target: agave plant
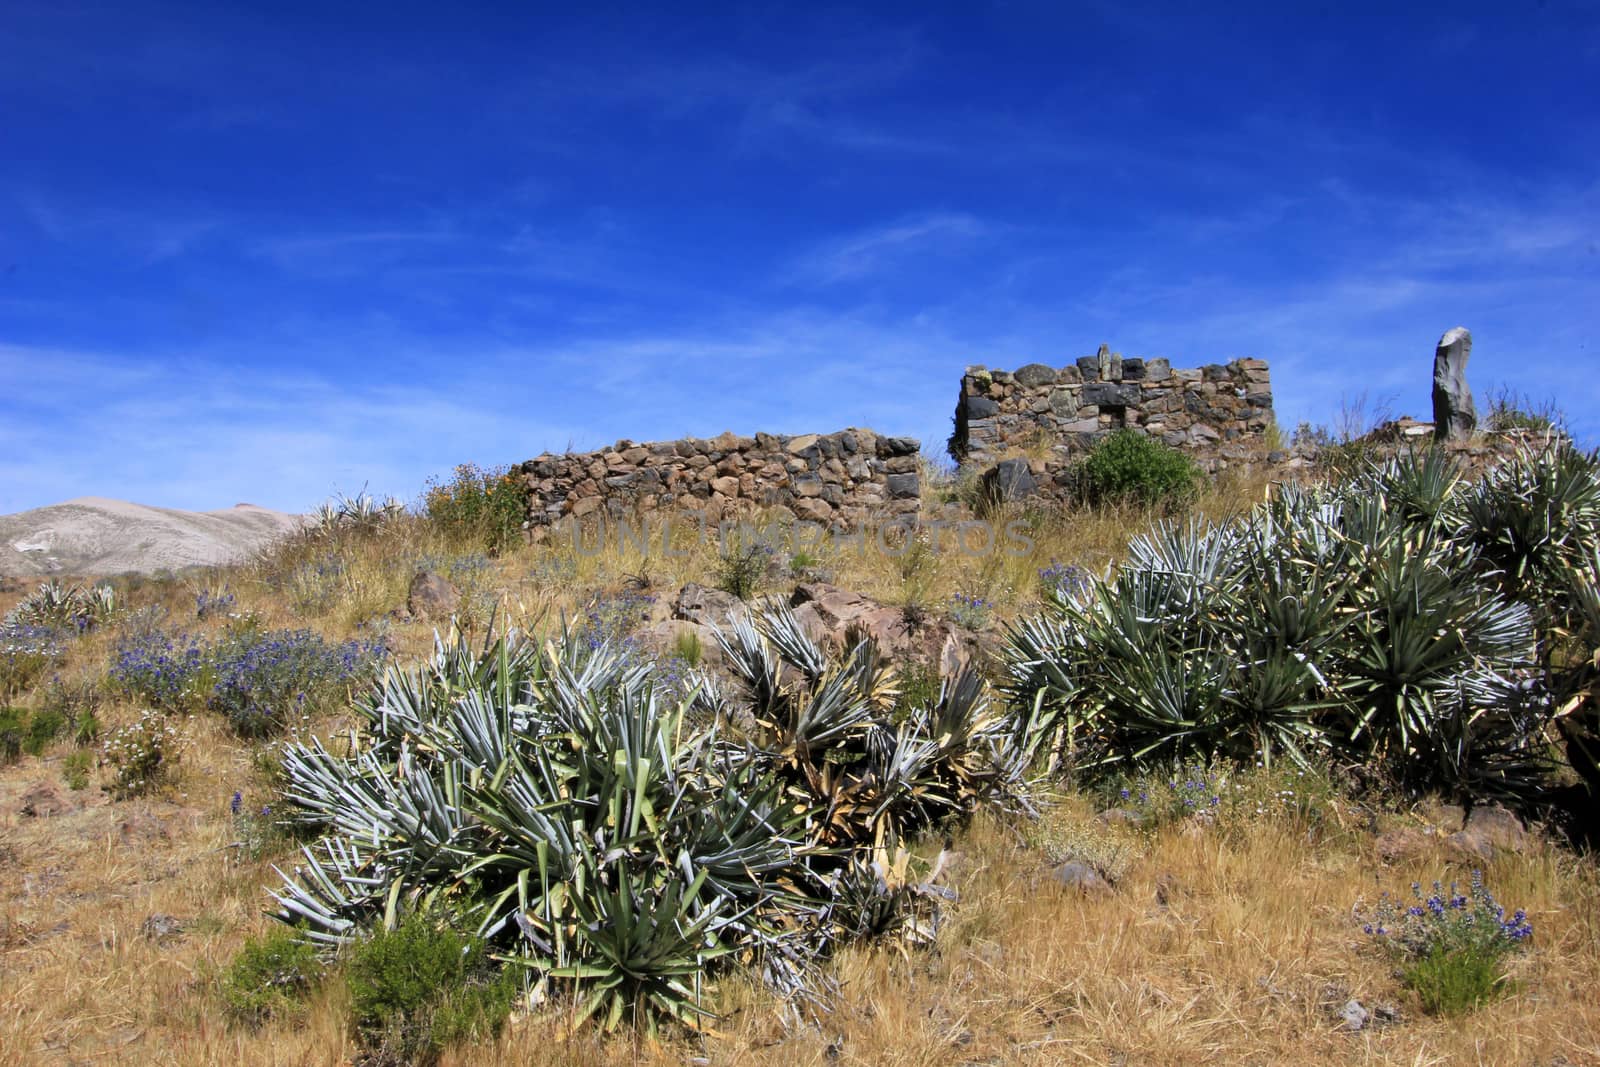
{"points": [[61, 607], [548, 797], [1358, 620], [824, 730]]}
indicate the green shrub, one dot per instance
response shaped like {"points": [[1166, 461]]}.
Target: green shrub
{"points": [[78, 703], [75, 769], [141, 755], [44, 726], [270, 976], [1131, 467], [743, 565], [1452, 983], [485, 508], [421, 987], [13, 733], [1452, 945]]}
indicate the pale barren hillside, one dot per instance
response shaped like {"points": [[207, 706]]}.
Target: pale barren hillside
{"points": [[96, 535]]}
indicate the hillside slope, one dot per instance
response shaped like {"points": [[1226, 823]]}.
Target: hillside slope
{"points": [[95, 535]]}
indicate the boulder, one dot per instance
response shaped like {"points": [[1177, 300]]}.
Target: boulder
{"points": [[1007, 481], [1489, 829], [1403, 844], [1075, 874], [1454, 416], [1034, 375], [708, 607], [44, 801], [432, 596]]}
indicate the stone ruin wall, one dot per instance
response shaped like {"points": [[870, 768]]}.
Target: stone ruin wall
{"points": [[836, 479], [1218, 413]]}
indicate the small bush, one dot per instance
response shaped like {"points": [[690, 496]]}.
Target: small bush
{"points": [[1507, 409], [26, 653], [214, 603], [266, 680], [78, 704], [13, 733], [421, 987], [168, 671], [613, 618], [141, 755], [743, 565], [688, 648], [270, 976], [44, 726], [479, 507], [971, 611], [1064, 580], [1132, 467], [76, 768], [1451, 945]]}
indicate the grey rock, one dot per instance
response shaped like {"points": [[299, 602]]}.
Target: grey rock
{"points": [[1132, 369], [432, 596], [1089, 368], [1075, 874], [979, 407], [1064, 402], [161, 928], [1353, 1016], [1111, 394], [903, 486], [1454, 416], [1034, 375], [708, 607], [898, 446], [1008, 480]]}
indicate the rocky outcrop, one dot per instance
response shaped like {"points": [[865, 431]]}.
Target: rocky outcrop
{"points": [[837, 480], [1454, 415]]}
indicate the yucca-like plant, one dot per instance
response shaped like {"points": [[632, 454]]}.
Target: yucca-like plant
{"points": [[550, 800], [1531, 519], [824, 730], [1356, 620], [1577, 673], [56, 606]]}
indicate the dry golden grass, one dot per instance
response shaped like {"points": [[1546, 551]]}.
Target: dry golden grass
{"points": [[1219, 945]]}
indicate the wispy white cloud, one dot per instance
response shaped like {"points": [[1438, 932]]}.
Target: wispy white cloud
{"points": [[859, 254]]}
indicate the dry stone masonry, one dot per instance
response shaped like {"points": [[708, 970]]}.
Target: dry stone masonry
{"points": [[1216, 412], [837, 479], [851, 478]]}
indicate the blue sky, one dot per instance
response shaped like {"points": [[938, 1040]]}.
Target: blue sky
{"points": [[268, 253]]}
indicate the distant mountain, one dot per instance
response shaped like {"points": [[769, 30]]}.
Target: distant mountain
{"points": [[92, 535]]}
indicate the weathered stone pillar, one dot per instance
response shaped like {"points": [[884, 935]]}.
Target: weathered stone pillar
{"points": [[1454, 416]]}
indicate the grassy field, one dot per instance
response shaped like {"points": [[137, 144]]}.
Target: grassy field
{"points": [[1233, 938]]}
